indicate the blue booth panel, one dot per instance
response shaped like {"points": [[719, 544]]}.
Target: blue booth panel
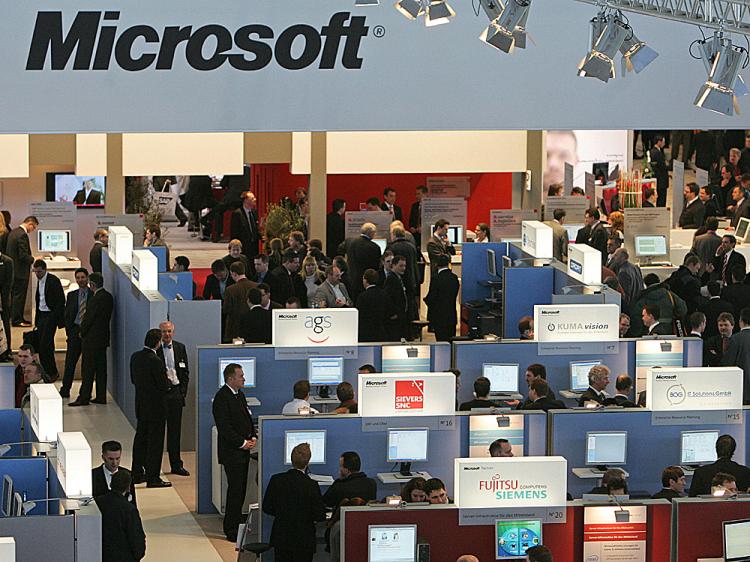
{"points": [[475, 270], [29, 479], [523, 287], [172, 284]]}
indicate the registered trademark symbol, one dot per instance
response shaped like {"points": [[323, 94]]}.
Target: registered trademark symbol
{"points": [[379, 31]]}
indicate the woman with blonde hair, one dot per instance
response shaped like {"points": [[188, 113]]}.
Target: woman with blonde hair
{"points": [[275, 251], [617, 220], [312, 277]]}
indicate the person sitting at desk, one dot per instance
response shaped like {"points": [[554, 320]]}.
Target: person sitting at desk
{"points": [[481, 396], [725, 447], [673, 484], [724, 484], [608, 476], [301, 402], [598, 381], [345, 393], [435, 490], [351, 483], [533, 372], [617, 486], [624, 386], [501, 448], [413, 490], [539, 399], [526, 328]]}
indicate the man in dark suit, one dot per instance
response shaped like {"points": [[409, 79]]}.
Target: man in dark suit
{"points": [[713, 307], [726, 261], [738, 353], [101, 476], [94, 342], [439, 245], [217, 281], [87, 195], [255, 321], [673, 484], [361, 254], [441, 300], [235, 186], [660, 170], [598, 381], [706, 245], [685, 283], [649, 197], [235, 299], [715, 347], [244, 226], [295, 503], [400, 246], [123, 539], [351, 483], [693, 212], [101, 240], [539, 399], [725, 447], [260, 263], [741, 207], [710, 202], [19, 250], [285, 282], [415, 216], [50, 315], [389, 204], [738, 293], [6, 296], [373, 307], [397, 326], [149, 375], [597, 234], [174, 356], [236, 436], [650, 315], [335, 227], [623, 387], [75, 309]]}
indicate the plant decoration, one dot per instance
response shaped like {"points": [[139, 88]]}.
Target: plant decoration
{"points": [[281, 219]]}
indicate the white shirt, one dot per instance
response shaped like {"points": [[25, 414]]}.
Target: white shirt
{"points": [[169, 362], [42, 301], [337, 291], [292, 408], [107, 476]]}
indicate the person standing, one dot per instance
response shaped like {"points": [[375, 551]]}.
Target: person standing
{"points": [[101, 476], [285, 281], [149, 375], [295, 503], [335, 228], [738, 353], [123, 539], [236, 436], [659, 168], [415, 215], [235, 297], [174, 356], [49, 316], [395, 289], [94, 342], [244, 226], [361, 254], [389, 204], [101, 240], [439, 244], [559, 235], [6, 298], [19, 250], [441, 300], [693, 212], [75, 308], [373, 307]]}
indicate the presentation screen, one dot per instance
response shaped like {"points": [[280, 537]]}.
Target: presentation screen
{"points": [[408, 444], [606, 447], [325, 370], [514, 538], [54, 241], [698, 447], [503, 377], [736, 540], [392, 543], [83, 191], [579, 374], [650, 246], [316, 438], [248, 368]]}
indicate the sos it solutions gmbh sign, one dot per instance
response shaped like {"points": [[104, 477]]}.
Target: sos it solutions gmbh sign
{"points": [[575, 322], [694, 389], [315, 327]]}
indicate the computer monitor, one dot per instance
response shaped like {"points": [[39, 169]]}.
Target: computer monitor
{"points": [[54, 241], [316, 438], [605, 448], [455, 233], [579, 374], [407, 444], [503, 377], [514, 538], [382, 243], [736, 540], [17, 507], [491, 263], [572, 230], [324, 371], [248, 368], [742, 229], [7, 495], [392, 543], [698, 447], [650, 246]]}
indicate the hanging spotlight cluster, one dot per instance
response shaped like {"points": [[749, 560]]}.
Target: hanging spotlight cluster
{"points": [[507, 27], [723, 62], [435, 12]]}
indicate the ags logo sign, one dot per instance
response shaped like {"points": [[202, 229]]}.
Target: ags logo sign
{"points": [[410, 395]]}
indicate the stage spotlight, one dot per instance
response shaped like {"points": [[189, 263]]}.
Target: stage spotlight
{"points": [[411, 9], [509, 27], [636, 55], [438, 13], [361, 3], [718, 92], [599, 62]]}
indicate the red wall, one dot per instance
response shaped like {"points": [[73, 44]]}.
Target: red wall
{"points": [[700, 533]]}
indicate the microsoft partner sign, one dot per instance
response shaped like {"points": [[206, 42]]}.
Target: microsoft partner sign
{"points": [[93, 41]]}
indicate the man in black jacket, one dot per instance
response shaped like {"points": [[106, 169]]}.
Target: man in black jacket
{"points": [[415, 217], [397, 326], [50, 315], [712, 307], [174, 356], [94, 342], [738, 293], [623, 388], [693, 212], [101, 240], [285, 282], [715, 347], [18, 249], [244, 226], [726, 260], [659, 168], [738, 353], [685, 283], [255, 322], [539, 399], [482, 387], [400, 246], [598, 381], [101, 476], [335, 227], [351, 483], [123, 539], [389, 204], [236, 436], [673, 484], [373, 307], [597, 234], [148, 374], [295, 503], [75, 308], [6, 296], [441, 300], [361, 254], [725, 447]]}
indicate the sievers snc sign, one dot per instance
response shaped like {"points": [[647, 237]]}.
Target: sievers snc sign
{"points": [[407, 394], [317, 327], [694, 389], [576, 322]]}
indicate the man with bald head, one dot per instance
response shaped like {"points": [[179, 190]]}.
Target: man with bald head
{"points": [[174, 356]]}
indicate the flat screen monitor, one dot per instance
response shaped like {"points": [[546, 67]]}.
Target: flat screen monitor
{"points": [[382, 243], [698, 447], [455, 233], [392, 543], [491, 263], [324, 371], [572, 230], [407, 444], [503, 377], [648, 246], [17, 507], [606, 447], [54, 241], [7, 495], [248, 368], [316, 438], [736, 540], [742, 229], [83, 191], [514, 538], [579, 374]]}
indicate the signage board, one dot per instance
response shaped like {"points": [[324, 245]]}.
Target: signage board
{"points": [[510, 482], [585, 264], [406, 359], [536, 239], [407, 394], [506, 223], [315, 327], [134, 222], [573, 205], [655, 353], [694, 389], [455, 186], [46, 411], [646, 221], [605, 539], [120, 245], [74, 464], [144, 270], [576, 322], [354, 220]]}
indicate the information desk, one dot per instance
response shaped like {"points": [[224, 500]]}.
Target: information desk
{"points": [[698, 524]]}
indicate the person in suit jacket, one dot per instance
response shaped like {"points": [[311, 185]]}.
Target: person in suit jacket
{"points": [[174, 356], [441, 300], [415, 216], [389, 204], [332, 292], [351, 483], [234, 249], [598, 381], [236, 436], [101, 475], [439, 245], [335, 228], [725, 448], [19, 250], [398, 297], [741, 207], [597, 235], [685, 283], [295, 503], [361, 254], [726, 261], [217, 281], [149, 375], [6, 295], [693, 212], [94, 342], [123, 539], [50, 315], [559, 235], [255, 321], [539, 399], [623, 386], [285, 282], [235, 299], [649, 197], [710, 202], [650, 315], [87, 195], [260, 264], [715, 347], [660, 170], [373, 307], [75, 308], [101, 240], [713, 307], [738, 353], [706, 245], [738, 293], [673, 484], [244, 226], [400, 246]]}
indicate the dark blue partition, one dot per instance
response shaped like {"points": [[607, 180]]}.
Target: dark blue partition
{"points": [[11, 424], [173, 283], [474, 270], [29, 478], [523, 287], [650, 448]]}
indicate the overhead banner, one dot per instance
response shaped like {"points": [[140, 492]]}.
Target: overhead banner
{"points": [[605, 539], [315, 327], [407, 394], [506, 223], [576, 322], [694, 389], [510, 482], [587, 151]]}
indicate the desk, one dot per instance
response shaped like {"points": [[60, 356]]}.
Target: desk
{"points": [[322, 479], [592, 473], [396, 478], [324, 404], [570, 395], [252, 402]]}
